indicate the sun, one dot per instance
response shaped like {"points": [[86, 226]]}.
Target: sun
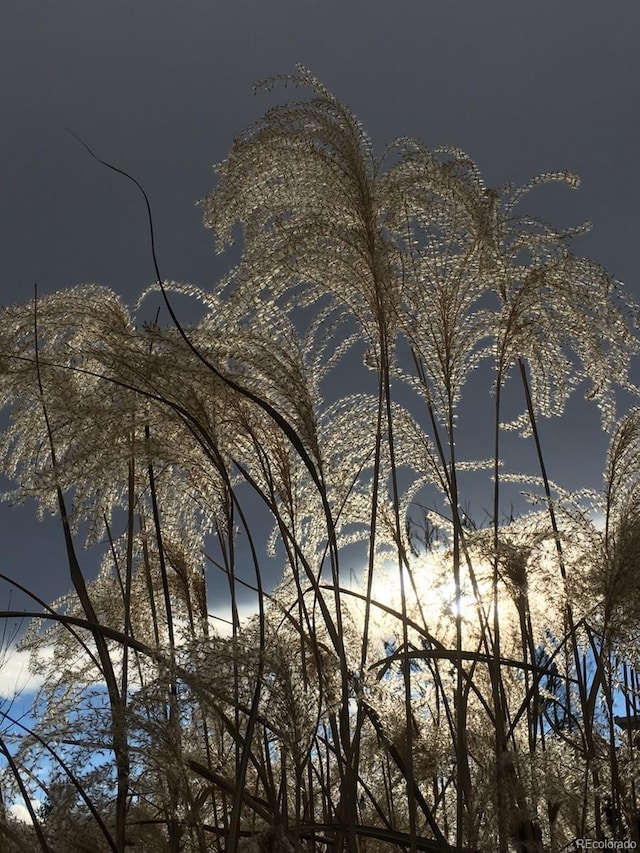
{"points": [[429, 589]]}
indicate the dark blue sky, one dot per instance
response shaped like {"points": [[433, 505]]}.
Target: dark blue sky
{"points": [[161, 88]]}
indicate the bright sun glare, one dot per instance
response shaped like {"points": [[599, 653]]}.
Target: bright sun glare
{"points": [[428, 583]]}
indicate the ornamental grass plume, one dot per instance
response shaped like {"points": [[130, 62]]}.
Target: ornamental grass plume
{"points": [[615, 579]]}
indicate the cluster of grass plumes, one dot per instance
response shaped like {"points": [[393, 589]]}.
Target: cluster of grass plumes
{"points": [[461, 690]]}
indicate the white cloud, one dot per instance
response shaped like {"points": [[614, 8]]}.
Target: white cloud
{"points": [[21, 812], [15, 676], [220, 618]]}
